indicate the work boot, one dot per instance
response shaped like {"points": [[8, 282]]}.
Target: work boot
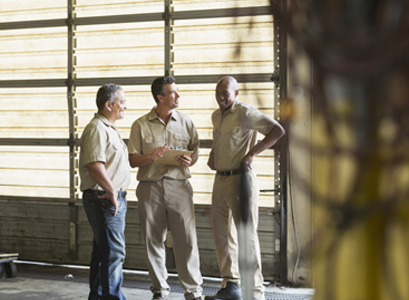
{"points": [[159, 296], [232, 291]]}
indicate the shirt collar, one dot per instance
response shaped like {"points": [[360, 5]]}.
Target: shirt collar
{"points": [[232, 109], [104, 120], [153, 116]]}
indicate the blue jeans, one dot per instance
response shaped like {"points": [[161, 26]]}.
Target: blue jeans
{"points": [[108, 252]]}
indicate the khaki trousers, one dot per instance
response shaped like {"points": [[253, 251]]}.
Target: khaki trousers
{"points": [[163, 203], [225, 216]]}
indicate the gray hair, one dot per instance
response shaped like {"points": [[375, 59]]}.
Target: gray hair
{"points": [[107, 92]]}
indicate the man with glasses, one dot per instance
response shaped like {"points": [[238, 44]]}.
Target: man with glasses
{"points": [[165, 196]]}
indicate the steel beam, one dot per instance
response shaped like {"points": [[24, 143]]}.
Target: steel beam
{"points": [[33, 24], [116, 19], [182, 79], [34, 142], [72, 117], [169, 37], [39, 83], [131, 18], [280, 155], [222, 13]]}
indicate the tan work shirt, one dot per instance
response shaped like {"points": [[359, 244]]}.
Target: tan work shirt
{"points": [[235, 133], [102, 142], [149, 132]]}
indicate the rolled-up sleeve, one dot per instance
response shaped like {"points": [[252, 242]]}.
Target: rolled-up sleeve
{"points": [[258, 121], [134, 143], [94, 144]]}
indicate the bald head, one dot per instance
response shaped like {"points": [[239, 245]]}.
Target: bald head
{"points": [[226, 92], [228, 80]]}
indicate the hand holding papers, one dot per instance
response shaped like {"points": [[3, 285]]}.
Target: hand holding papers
{"points": [[169, 157]]}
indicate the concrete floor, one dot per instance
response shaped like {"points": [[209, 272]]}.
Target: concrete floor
{"points": [[40, 282]]}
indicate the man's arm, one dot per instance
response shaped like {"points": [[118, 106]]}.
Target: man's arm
{"points": [[141, 160], [186, 160], [210, 161], [269, 140], [99, 174]]}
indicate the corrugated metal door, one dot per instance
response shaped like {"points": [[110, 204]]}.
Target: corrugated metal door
{"points": [[54, 56]]}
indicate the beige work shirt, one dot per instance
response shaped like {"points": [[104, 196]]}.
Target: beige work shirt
{"points": [[149, 132], [102, 142], [235, 133]]}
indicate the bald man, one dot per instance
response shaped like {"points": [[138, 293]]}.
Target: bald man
{"points": [[235, 127]]}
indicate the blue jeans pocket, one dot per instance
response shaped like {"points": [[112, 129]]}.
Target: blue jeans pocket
{"points": [[106, 203]]}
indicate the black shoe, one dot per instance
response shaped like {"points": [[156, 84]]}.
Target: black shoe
{"points": [[232, 291], [159, 296]]}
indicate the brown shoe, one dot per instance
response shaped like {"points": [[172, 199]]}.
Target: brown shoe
{"points": [[159, 296]]}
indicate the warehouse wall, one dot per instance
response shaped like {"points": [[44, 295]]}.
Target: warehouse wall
{"points": [[40, 231]]}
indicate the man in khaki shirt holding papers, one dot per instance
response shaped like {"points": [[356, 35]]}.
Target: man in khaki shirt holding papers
{"points": [[234, 145], [165, 196]]}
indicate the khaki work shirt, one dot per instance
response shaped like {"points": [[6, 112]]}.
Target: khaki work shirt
{"points": [[149, 132], [235, 133], [102, 142]]}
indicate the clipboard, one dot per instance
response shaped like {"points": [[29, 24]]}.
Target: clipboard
{"points": [[169, 157]]}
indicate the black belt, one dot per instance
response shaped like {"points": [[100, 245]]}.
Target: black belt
{"points": [[94, 193], [228, 173]]}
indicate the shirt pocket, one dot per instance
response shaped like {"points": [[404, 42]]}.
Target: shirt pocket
{"points": [[234, 132], [148, 144], [181, 141], [117, 143], [117, 146]]}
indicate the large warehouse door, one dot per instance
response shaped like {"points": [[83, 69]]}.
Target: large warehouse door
{"points": [[54, 56]]}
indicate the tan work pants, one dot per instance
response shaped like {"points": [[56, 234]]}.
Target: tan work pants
{"points": [[163, 203], [225, 215]]}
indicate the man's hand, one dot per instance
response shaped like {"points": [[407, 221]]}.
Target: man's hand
{"points": [[99, 174], [247, 161], [158, 152], [210, 161], [113, 199], [269, 140], [141, 160], [184, 160]]}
